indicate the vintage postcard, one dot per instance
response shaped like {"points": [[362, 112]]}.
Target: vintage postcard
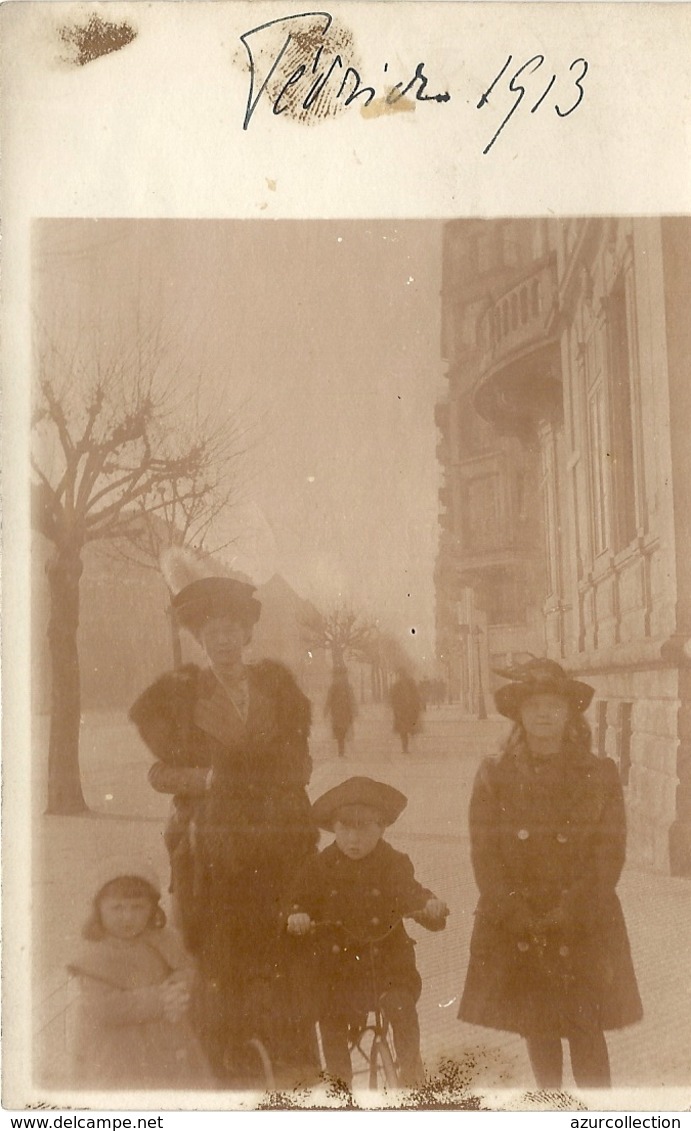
{"points": [[346, 573]]}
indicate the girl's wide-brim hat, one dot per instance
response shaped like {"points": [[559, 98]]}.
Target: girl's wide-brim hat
{"points": [[377, 795], [539, 676], [211, 597]]}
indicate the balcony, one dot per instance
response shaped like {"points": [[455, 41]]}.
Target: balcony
{"points": [[520, 363], [468, 557]]}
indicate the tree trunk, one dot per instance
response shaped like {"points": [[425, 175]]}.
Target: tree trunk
{"points": [[376, 683], [65, 795]]}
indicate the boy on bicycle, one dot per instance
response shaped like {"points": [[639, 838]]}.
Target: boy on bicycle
{"points": [[357, 891]]}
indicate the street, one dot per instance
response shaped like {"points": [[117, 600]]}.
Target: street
{"points": [[436, 776]]}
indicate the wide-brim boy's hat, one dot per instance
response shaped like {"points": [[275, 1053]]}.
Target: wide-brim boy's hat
{"points": [[377, 795], [539, 676], [210, 597]]}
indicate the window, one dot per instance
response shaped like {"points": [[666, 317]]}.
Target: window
{"points": [[535, 298], [622, 438], [602, 728], [599, 467], [624, 741], [550, 512], [482, 518], [611, 433]]}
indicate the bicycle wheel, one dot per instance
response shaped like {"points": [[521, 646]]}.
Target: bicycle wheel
{"points": [[257, 1064], [382, 1066]]}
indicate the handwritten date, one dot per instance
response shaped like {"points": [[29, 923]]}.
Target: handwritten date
{"points": [[571, 98]]}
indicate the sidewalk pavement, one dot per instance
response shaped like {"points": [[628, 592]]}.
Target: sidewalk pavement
{"points": [[436, 776]]}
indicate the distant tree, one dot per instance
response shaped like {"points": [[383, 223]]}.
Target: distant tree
{"points": [[113, 442], [385, 655], [187, 514], [347, 634], [341, 631]]}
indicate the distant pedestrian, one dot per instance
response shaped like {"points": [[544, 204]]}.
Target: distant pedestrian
{"points": [[406, 704], [131, 1027], [340, 706], [549, 954]]}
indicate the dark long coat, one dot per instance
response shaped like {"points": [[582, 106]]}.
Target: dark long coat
{"points": [[547, 847], [235, 840], [340, 705], [367, 897], [406, 704]]}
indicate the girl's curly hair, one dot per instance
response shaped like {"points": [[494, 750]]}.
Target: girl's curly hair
{"points": [[123, 887]]}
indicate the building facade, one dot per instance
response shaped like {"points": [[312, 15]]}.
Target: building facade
{"points": [[580, 369], [488, 576]]}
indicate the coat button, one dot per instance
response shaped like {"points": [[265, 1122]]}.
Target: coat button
{"points": [[562, 838], [335, 949], [522, 946], [564, 951], [376, 892], [333, 894], [375, 922], [522, 834]]}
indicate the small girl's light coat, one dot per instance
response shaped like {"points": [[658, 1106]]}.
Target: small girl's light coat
{"points": [[120, 1036]]}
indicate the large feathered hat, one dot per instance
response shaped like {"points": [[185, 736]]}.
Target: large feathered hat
{"points": [[535, 677], [373, 794], [197, 595]]}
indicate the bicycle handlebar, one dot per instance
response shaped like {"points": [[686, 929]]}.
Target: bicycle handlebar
{"points": [[340, 926]]}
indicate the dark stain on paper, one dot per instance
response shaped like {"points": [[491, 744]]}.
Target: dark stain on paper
{"points": [[95, 37], [387, 105], [304, 67]]}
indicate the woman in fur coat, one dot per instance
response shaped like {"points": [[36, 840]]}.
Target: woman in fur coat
{"points": [[231, 745], [549, 954]]}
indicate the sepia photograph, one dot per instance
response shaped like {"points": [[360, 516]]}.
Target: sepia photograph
{"points": [[359, 571], [347, 596]]}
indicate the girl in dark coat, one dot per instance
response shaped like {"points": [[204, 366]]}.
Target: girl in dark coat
{"points": [[549, 954], [231, 746]]}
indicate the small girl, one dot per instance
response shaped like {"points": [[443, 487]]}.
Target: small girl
{"points": [[131, 1029]]}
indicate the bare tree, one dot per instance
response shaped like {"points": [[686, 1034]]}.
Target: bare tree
{"points": [[185, 514], [385, 654], [345, 633], [112, 442], [341, 631]]}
